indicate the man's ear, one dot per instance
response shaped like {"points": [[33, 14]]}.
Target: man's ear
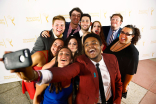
{"points": [[102, 46]]}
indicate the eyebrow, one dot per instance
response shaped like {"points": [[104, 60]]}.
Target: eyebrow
{"points": [[91, 41]]}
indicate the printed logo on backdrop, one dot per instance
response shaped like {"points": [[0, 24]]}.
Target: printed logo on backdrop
{"points": [[152, 9], [10, 41], [12, 19], [40, 18], [6, 20], [29, 40], [11, 77], [66, 16], [123, 13], [146, 11], [141, 28], [146, 55], [105, 14], [152, 27], [4, 41], [153, 54], [153, 41], [95, 14]]}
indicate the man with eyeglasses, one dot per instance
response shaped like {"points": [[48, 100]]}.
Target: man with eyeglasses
{"points": [[112, 32]]}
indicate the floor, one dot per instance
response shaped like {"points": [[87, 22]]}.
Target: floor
{"points": [[142, 87]]}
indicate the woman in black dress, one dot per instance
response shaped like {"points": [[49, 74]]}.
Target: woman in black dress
{"points": [[127, 54]]}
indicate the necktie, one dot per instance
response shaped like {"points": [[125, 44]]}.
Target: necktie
{"points": [[72, 32], [111, 37], [101, 85]]}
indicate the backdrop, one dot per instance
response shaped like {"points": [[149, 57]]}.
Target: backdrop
{"points": [[21, 22]]}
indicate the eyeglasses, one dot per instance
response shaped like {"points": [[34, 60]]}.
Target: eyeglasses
{"points": [[122, 32], [74, 15]]}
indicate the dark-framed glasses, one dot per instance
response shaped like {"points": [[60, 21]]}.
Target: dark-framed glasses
{"points": [[122, 32]]}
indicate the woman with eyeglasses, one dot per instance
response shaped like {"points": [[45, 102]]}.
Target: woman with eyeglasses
{"points": [[127, 54]]}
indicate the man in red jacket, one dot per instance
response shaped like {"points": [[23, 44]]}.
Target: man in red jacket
{"points": [[90, 80]]}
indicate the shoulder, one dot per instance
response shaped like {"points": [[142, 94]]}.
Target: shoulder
{"points": [[133, 50], [108, 56], [106, 27]]}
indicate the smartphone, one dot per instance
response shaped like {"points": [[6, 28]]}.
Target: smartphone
{"points": [[17, 59]]}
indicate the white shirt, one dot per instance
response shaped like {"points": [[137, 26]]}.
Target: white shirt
{"points": [[105, 77], [81, 33]]}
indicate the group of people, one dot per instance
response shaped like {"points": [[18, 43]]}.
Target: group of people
{"points": [[73, 65]]}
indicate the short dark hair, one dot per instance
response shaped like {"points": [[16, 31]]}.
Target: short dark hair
{"points": [[135, 32], [93, 35], [87, 15], [117, 14], [77, 9]]}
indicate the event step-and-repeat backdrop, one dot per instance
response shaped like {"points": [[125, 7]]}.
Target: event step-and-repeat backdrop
{"points": [[21, 22]]}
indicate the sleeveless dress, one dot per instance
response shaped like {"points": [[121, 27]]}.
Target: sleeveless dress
{"points": [[60, 98], [30, 86]]}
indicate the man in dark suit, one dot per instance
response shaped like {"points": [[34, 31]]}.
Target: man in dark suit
{"points": [[85, 23], [58, 27], [91, 83], [73, 26], [112, 32]]}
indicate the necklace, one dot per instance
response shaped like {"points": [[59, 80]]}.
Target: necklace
{"points": [[118, 49]]}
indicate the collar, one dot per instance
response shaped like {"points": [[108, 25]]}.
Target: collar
{"points": [[81, 33], [101, 62], [56, 36]]}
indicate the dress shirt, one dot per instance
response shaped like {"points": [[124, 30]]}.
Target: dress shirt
{"points": [[81, 33], [105, 77], [70, 30], [110, 33]]}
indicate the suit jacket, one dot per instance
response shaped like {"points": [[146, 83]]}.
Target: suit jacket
{"points": [[43, 43], [66, 30], [88, 92], [106, 31], [77, 34]]}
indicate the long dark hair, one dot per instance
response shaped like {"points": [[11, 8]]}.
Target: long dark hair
{"points": [[50, 54], [135, 32], [79, 50], [57, 86]]}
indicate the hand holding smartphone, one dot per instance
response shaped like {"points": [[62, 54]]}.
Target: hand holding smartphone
{"points": [[17, 59]]}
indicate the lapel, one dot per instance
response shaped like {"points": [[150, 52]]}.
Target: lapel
{"points": [[110, 67], [91, 67]]}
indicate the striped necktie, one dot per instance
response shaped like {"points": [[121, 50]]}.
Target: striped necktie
{"points": [[111, 38]]}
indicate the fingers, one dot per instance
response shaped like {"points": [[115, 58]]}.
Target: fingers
{"points": [[45, 34]]}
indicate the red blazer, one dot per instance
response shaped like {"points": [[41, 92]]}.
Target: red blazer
{"points": [[88, 92]]}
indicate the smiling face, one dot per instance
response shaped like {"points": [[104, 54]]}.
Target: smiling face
{"points": [[56, 46], [85, 23], [75, 17], [64, 57], [116, 22], [58, 27], [96, 28], [126, 35], [73, 45], [93, 49]]}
